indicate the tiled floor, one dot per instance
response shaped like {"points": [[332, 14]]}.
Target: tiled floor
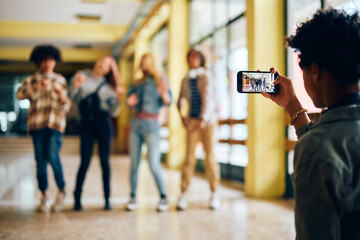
{"points": [[239, 218]]}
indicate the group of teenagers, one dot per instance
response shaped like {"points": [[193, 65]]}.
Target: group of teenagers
{"points": [[326, 174], [97, 92]]}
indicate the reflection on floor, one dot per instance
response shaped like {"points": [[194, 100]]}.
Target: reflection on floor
{"points": [[239, 218]]}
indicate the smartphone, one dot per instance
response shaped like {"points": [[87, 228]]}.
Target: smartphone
{"points": [[256, 82]]}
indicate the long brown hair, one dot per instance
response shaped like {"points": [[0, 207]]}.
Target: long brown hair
{"points": [[153, 71], [112, 77]]}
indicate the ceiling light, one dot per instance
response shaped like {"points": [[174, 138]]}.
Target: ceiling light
{"points": [[88, 18], [94, 1]]}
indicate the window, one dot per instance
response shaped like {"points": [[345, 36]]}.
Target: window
{"points": [[201, 21], [299, 11], [347, 5], [236, 7]]}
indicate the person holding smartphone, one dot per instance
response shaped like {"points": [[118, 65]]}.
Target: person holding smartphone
{"points": [[148, 93], [197, 90], [47, 93], [327, 156], [97, 93]]}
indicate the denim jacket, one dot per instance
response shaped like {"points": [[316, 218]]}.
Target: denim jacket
{"points": [[150, 100], [327, 176]]}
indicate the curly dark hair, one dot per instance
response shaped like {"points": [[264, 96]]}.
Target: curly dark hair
{"points": [[330, 39], [42, 52]]}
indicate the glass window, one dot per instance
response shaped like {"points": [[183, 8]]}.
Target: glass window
{"points": [[207, 15], [218, 67], [221, 16], [236, 155], [299, 11], [239, 155], [347, 5], [222, 152], [238, 60], [236, 7], [201, 20], [221, 88], [238, 35], [224, 132], [240, 132]]}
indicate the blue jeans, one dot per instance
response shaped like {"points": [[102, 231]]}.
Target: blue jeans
{"points": [[47, 144], [145, 131], [102, 134]]}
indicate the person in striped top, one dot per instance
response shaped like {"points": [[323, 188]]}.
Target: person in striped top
{"points": [[47, 93], [197, 90]]}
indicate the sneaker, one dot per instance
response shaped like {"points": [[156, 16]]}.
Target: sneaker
{"points": [[182, 204], [163, 205], [59, 202], [215, 203], [132, 205], [44, 205]]}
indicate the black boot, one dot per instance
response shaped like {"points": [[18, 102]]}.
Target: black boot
{"points": [[77, 202], [107, 205]]}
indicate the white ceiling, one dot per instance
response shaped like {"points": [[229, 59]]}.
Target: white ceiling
{"points": [[16, 42], [65, 11], [112, 12]]}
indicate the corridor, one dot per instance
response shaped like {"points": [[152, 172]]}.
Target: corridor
{"points": [[239, 217]]}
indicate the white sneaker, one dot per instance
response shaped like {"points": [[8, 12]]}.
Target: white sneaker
{"points": [[215, 202], [132, 205], [163, 205], [59, 202], [182, 204], [44, 205]]}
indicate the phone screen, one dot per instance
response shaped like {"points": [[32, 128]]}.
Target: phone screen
{"points": [[256, 82]]}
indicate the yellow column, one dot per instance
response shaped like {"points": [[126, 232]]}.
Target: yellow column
{"points": [[123, 121], [177, 68], [265, 173], [141, 46]]}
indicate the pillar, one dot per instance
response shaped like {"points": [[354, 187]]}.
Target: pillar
{"points": [[177, 68], [265, 173]]}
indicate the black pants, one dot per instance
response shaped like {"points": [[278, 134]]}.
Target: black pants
{"points": [[102, 133]]}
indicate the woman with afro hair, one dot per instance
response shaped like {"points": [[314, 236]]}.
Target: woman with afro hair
{"points": [[47, 93]]}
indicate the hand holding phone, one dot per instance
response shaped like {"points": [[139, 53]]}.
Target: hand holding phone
{"points": [[286, 96], [256, 82]]}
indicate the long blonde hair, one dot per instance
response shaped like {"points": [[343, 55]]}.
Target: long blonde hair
{"points": [[153, 71]]}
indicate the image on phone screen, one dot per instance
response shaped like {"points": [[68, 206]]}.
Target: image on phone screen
{"points": [[256, 82]]}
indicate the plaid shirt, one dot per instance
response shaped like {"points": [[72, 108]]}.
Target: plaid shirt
{"points": [[46, 109]]}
